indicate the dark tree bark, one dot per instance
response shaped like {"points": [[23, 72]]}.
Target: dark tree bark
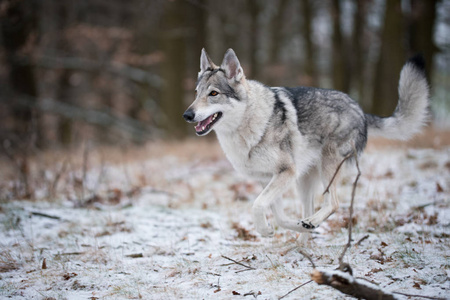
{"points": [[173, 70], [253, 10], [18, 23], [310, 67], [359, 55], [341, 74], [276, 32], [390, 60], [65, 125], [197, 19], [421, 28]]}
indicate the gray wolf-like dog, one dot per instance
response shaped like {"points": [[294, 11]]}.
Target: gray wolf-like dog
{"points": [[295, 136]]}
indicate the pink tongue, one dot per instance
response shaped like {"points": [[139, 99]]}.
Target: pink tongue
{"points": [[205, 122]]}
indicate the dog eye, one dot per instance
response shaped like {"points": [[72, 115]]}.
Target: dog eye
{"points": [[213, 93]]}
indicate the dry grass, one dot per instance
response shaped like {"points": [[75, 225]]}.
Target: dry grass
{"points": [[7, 262]]}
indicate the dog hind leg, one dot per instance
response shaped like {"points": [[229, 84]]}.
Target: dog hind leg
{"points": [[274, 190], [306, 186], [331, 201]]}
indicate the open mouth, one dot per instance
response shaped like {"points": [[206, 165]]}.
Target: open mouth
{"points": [[203, 127]]}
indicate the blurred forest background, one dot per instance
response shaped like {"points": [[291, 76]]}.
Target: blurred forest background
{"points": [[122, 72]]}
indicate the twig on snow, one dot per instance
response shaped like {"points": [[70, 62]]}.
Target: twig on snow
{"points": [[135, 255], [307, 256], [69, 253], [362, 239], [294, 289], [39, 214], [239, 263], [419, 296]]}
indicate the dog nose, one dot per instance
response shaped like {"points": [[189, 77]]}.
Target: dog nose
{"points": [[189, 115]]}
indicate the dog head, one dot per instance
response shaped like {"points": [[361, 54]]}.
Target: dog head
{"points": [[220, 95]]}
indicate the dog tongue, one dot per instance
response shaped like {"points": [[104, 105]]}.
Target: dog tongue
{"points": [[203, 123]]}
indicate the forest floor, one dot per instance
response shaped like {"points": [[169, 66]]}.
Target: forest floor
{"points": [[167, 220]]}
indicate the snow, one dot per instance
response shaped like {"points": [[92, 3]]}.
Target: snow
{"points": [[171, 237]]}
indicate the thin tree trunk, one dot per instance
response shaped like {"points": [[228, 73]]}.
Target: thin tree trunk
{"points": [[18, 22], [65, 124], [253, 9], [174, 66], [340, 70], [390, 60], [359, 54], [276, 32], [421, 29], [310, 67]]}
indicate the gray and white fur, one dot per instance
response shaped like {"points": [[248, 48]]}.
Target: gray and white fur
{"points": [[295, 136]]}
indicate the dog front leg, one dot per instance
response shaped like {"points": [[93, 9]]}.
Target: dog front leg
{"points": [[276, 187]]}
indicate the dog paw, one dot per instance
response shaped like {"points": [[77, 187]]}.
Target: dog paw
{"points": [[308, 225]]}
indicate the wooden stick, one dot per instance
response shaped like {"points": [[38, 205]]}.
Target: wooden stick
{"points": [[294, 289], [349, 242], [307, 256], [419, 296], [327, 190], [236, 262], [362, 239], [39, 214]]}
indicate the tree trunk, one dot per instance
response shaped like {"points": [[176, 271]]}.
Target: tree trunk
{"points": [[18, 23], [390, 60], [340, 71], [253, 9], [421, 29], [310, 67], [65, 125], [198, 18], [359, 55], [276, 32], [173, 43]]}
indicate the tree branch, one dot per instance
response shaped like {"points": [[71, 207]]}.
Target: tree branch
{"points": [[350, 222]]}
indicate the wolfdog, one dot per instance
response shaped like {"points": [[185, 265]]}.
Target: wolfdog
{"points": [[287, 136]]}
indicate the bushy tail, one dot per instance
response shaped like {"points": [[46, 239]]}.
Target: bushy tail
{"points": [[412, 109]]}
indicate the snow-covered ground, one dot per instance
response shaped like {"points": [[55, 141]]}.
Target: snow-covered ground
{"points": [[169, 225]]}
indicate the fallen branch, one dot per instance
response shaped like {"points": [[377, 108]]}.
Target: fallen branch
{"points": [[347, 284]]}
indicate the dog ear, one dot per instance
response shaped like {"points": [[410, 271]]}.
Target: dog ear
{"points": [[232, 66], [205, 62]]}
